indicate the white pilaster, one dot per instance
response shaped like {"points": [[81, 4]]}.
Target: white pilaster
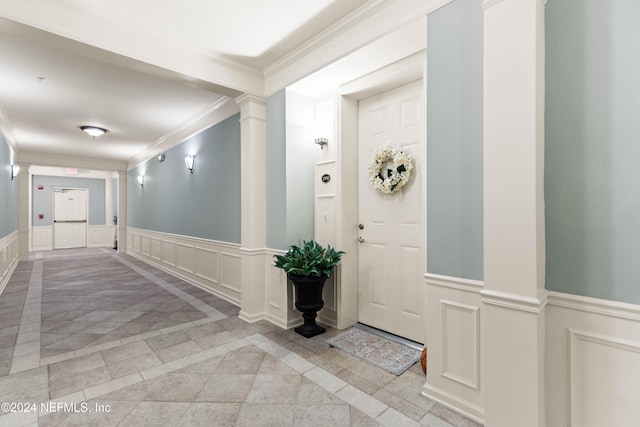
{"points": [[122, 211], [24, 214], [253, 205], [514, 245]]}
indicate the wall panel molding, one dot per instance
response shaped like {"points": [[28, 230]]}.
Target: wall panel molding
{"points": [[211, 265], [454, 342], [595, 306], [8, 258], [592, 347], [603, 391], [98, 236], [461, 343]]}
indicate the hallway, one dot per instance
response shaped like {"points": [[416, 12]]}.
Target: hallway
{"points": [[129, 344]]}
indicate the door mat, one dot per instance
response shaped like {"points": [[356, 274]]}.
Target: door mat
{"points": [[381, 352]]}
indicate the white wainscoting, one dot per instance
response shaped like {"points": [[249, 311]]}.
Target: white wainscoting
{"points": [[326, 226], [453, 340], [98, 236], [593, 360], [209, 264], [8, 258], [280, 308], [41, 238]]}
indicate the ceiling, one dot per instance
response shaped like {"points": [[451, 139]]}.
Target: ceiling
{"points": [[52, 84]]}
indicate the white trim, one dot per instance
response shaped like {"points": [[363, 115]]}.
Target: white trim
{"points": [[211, 115], [576, 388], [454, 402], [474, 311], [40, 159], [8, 258], [515, 302], [161, 250], [458, 283], [486, 4], [7, 130], [608, 308], [365, 25]]}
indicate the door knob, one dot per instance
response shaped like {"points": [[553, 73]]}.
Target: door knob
{"points": [[361, 226], [361, 239]]}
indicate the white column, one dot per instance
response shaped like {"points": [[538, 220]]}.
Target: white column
{"points": [[24, 213], [514, 242], [253, 206], [122, 212]]}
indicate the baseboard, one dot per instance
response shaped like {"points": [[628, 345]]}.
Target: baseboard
{"points": [[454, 403]]}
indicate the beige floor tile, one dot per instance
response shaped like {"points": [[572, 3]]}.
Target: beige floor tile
{"points": [[315, 415], [241, 363], [154, 414], [177, 387], [275, 389], [226, 388], [263, 414], [208, 414]]}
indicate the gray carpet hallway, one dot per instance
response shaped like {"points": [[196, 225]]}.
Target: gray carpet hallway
{"points": [[92, 337]]}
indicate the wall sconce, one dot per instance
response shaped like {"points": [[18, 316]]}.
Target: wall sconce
{"points": [[14, 171], [160, 157], [189, 160], [141, 180], [322, 142]]}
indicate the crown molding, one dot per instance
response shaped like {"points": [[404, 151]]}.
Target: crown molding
{"points": [[369, 23], [213, 114], [31, 158], [7, 131], [341, 26]]}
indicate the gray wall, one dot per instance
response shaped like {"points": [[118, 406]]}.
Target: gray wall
{"points": [[114, 199], [8, 192], [301, 162], [43, 199], [592, 148], [454, 135], [291, 159], [205, 203], [276, 183]]}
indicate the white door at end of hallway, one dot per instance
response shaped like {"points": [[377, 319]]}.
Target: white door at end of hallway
{"points": [[391, 261], [70, 218]]}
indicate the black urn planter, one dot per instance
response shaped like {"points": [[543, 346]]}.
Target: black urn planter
{"points": [[308, 302]]}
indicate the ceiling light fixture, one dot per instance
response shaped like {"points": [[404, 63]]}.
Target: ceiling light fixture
{"points": [[94, 130]]}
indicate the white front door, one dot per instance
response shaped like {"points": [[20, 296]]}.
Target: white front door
{"points": [[391, 256], [70, 218]]}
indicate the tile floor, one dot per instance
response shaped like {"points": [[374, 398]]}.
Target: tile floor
{"points": [[90, 337]]}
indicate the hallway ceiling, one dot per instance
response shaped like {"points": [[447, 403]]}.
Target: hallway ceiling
{"points": [[51, 85]]}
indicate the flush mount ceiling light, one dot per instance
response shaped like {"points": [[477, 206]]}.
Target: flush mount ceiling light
{"points": [[94, 130]]}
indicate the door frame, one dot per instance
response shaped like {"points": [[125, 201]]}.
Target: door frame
{"points": [[397, 74], [53, 210]]}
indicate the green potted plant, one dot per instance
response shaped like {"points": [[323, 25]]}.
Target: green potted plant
{"points": [[308, 267]]}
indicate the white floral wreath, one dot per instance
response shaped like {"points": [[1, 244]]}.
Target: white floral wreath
{"points": [[393, 179]]}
